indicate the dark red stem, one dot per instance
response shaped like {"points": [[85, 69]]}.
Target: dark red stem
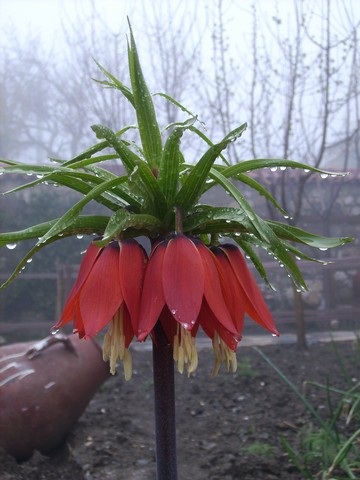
{"points": [[164, 389]]}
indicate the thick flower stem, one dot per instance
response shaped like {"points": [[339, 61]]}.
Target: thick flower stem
{"points": [[164, 389]]}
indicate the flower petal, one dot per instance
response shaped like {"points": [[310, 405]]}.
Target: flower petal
{"points": [[255, 304], [152, 298], [101, 296], [210, 324], [132, 263], [87, 263], [232, 291], [212, 288], [183, 280]]}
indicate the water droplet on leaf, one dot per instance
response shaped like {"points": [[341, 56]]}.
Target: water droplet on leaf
{"points": [[11, 246]]}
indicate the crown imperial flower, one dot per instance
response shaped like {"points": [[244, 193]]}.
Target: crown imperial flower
{"points": [[107, 292]]}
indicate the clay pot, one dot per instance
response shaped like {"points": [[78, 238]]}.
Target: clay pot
{"points": [[44, 388]]}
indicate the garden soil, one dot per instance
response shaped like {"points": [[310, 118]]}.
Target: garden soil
{"points": [[227, 428]]}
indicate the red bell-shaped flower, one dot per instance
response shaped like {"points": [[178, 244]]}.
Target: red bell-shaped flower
{"points": [[107, 292]]}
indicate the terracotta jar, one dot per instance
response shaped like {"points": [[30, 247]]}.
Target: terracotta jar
{"points": [[44, 388]]}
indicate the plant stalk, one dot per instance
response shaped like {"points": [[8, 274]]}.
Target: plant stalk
{"points": [[164, 390]]}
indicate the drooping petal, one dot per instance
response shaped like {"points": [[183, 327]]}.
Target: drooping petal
{"points": [[132, 263], [183, 280], [224, 343], [152, 297], [87, 263], [101, 296], [212, 288], [233, 293], [210, 324], [255, 305]]}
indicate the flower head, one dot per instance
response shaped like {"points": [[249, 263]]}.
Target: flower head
{"points": [[188, 285], [107, 292]]}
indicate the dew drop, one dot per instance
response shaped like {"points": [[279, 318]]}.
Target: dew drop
{"points": [[173, 311], [54, 331], [306, 170], [281, 265], [60, 234], [11, 246], [273, 169], [286, 216], [29, 174], [79, 236], [324, 175], [39, 175], [273, 335], [282, 168], [323, 249], [1, 173], [29, 260], [228, 221]]}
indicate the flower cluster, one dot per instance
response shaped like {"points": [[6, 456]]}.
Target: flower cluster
{"points": [[184, 285]]}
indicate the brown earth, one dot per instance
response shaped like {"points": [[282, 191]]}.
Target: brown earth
{"points": [[227, 428]]}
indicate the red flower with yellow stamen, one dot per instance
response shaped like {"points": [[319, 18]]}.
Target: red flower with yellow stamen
{"points": [[107, 292], [187, 285]]}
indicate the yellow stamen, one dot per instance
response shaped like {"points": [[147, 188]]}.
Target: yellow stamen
{"points": [[184, 350], [114, 345], [223, 354]]}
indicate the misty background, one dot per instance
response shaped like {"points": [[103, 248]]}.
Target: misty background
{"points": [[290, 69]]}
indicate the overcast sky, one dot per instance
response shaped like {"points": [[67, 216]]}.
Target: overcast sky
{"points": [[45, 17]]}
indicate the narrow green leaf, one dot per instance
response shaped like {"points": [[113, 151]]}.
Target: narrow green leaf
{"points": [[251, 183], [298, 235], [193, 186], [72, 214], [154, 199], [255, 260], [145, 112], [115, 83], [177, 104], [264, 232], [344, 450], [251, 165], [89, 152], [123, 220], [168, 176], [203, 215], [85, 224], [292, 387]]}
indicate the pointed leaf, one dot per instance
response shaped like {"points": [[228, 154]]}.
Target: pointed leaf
{"points": [[84, 224], [203, 215], [68, 218], [255, 260], [122, 220], [115, 83], [147, 122], [194, 184], [251, 165], [168, 176], [298, 235]]}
